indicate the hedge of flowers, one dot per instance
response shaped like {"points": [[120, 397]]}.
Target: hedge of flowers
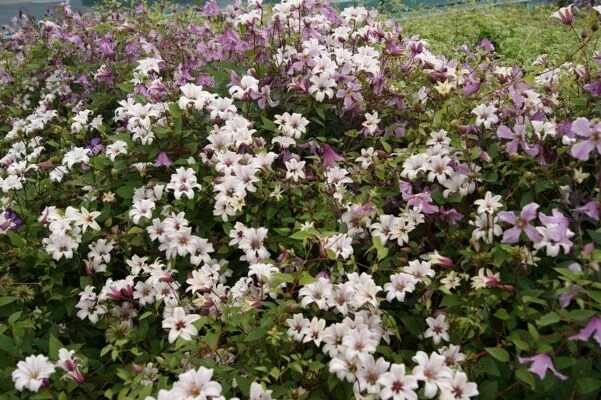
{"points": [[296, 203]]}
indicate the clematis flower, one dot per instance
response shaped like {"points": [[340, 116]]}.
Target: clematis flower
{"points": [[330, 157], [422, 201], [520, 224], [432, 371], [565, 15], [162, 160], [555, 237], [437, 259], [582, 127], [592, 328], [33, 373], [541, 363], [591, 209], [518, 139], [196, 384], [263, 97], [180, 325], [486, 115], [593, 88], [95, 147], [437, 328], [70, 364], [398, 385], [458, 388], [486, 44], [351, 95]]}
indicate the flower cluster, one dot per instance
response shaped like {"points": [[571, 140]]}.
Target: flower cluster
{"points": [[286, 201]]}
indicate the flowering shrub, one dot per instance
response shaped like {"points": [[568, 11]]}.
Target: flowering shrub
{"points": [[289, 202]]}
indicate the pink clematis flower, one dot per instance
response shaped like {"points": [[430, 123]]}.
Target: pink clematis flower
{"points": [[581, 127], [521, 224], [593, 327], [518, 139], [591, 209], [541, 363]]}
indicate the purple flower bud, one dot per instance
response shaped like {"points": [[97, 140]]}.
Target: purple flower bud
{"points": [[330, 158]]}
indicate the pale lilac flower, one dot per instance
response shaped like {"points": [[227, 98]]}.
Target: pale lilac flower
{"points": [[518, 139], [592, 135], [162, 160], [351, 95], [566, 298], [592, 328], [592, 209], [521, 224], [541, 363]]}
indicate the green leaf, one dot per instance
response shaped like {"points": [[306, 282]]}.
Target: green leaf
{"points": [[533, 332], [488, 366], [175, 110], [320, 112], [256, 334], [15, 239], [588, 385], [549, 319], [450, 300], [301, 235], [580, 315], [502, 314], [54, 345], [595, 295], [126, 87], [525, 376], [7, 300], [381, 251], [595, 235], [306, 279], [7, 345], [281, 277], [268, 125], [498, 353], [126, 192]]}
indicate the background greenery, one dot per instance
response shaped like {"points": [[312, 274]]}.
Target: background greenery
{"points": [[520, 33]]}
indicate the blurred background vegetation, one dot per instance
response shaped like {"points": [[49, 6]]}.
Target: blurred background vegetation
{"points": [[519, 32]]}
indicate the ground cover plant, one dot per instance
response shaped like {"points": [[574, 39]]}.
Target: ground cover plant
{"points": [[519, 33], [291, 202]]}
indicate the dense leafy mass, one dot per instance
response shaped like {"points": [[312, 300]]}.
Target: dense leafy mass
{"points": [[290, 202], [520, 34]]}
